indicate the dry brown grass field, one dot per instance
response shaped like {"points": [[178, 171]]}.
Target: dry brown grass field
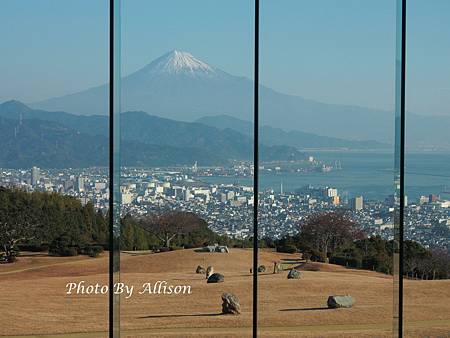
{"points": [[34, 303]]}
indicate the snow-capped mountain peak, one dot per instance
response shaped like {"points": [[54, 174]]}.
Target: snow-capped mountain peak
{"points": [[178, 62]]}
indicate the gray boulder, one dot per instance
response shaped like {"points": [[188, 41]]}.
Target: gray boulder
{"points": [[230, 304], [293, 274], [216, 278], [200, 269], [261, 268], [339, 301], [215, 248]]}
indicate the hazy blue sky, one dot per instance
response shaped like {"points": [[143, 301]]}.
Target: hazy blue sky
{"points": [[336, 51]]}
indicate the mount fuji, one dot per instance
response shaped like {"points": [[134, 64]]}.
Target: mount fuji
{"points": [[181, 87], [176, 85]]}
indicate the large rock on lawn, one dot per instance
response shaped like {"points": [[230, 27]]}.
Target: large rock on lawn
{"points": [[216, 278], [200, 269], [293, 274], [338, 301], [230, 304]]}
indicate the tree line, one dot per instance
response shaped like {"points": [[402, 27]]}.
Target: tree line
{"points": [[336, 238], [61, 225], [171, 230], [41, 221]]}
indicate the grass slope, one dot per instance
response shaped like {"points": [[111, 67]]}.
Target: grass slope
{"points": [[34, 301]]}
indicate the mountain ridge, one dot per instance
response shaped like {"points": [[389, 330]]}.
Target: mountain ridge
{"points": [[146, 140], [167, 88], [186, 95], [301, 140], [270, 136]]}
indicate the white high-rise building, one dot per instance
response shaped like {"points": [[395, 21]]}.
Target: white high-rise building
{"points": [[187, 195], [79, 184], [35, 176], [331, 192], [357, 203]]}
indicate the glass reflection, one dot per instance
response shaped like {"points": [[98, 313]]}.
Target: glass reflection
{"points": [[326, 212], [426, 231], [54, 193], [186, 185]]}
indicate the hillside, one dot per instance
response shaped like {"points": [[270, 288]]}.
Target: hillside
{"points": [[49, 144], [295, 138], [58, 139], [288, 308], [181, 87]]}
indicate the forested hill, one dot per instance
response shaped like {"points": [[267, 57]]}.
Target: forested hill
{"points": [[60, 140]]}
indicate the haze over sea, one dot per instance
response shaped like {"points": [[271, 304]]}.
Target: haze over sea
{"points": [[370, 174]]}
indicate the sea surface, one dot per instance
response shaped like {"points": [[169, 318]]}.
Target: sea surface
{"points": [[370, 174]]}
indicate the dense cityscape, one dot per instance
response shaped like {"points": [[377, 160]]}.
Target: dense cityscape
{"points": [[228, 207]]}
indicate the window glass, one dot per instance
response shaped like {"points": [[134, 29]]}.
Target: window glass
{"points": [[186, 184], [54, 167], [326, 168], [427, 234]]}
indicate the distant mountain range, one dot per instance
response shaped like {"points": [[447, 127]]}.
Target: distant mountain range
{"points": [[48, 144], [276, 136], [179, 86], [58, 139]]}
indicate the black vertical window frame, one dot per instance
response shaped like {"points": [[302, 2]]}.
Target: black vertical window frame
{"points": [[255, 171], [111, 167], [402, 168]]}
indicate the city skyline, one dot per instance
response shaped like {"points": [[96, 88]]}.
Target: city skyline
{"points": [[226, 206]]}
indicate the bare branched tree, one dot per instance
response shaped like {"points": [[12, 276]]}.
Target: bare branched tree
{"points": [[410, 264], [329, 230], [167, 226], [441, 263], [11, 234]]}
